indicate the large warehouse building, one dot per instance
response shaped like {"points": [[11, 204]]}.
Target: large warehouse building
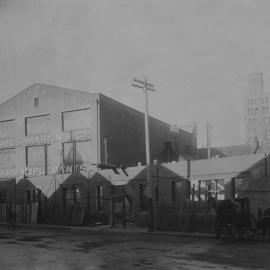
{"points": [[45, 128]]}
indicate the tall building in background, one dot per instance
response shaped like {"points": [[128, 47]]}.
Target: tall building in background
{"points": [[257, 112]]}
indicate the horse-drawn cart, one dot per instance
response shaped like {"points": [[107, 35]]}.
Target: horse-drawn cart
{"points": [[234, 220]]}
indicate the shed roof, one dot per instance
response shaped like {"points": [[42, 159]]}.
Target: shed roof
{"points": [[254, 185], [226, 165], [122, 178], [47, 184]]}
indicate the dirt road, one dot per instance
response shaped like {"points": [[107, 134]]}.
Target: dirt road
{"points": [[72, 250]]}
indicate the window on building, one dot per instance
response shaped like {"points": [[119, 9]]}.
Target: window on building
{"points": [[37, 125], [40, 157], [173, 191], [142, 197], [2, 196], [7, 129], [76, 194], [36, 102], [33, 195], [78, 119], [7, 158], [219, 189], [37, 157], [71, 195], [68, 153], [76, 154], [83, 152], [28, 196], [100, 197], [64, 196], [50, 157]]}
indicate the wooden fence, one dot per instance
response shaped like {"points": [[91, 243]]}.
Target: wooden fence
{"points": [[21, 213], [63, 215], [32, 213], [183, 218]]}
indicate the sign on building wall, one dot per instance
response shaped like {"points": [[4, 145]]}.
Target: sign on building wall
{"points": [[67, 136], [77, 146], [39, 171]]}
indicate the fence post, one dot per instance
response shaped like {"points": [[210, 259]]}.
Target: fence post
{"points": [[199, 194], [112, 207], [232, 188], [14, 212], [123, 207], [191, 225]]}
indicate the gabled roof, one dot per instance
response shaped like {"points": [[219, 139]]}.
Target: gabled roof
{"points": [[46, 183], [46, 85], [233, 165], [122, 178], [179, 170]]}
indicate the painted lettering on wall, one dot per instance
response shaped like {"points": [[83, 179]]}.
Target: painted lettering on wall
{"points": [[67, 136], [40, 171], [8, 143]]}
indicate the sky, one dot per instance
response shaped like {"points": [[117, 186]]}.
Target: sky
{"points": [[197, 54]]}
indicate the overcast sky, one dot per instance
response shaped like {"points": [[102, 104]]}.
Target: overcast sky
{"points": [[198, 54]]}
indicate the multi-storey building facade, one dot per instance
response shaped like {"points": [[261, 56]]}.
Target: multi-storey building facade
{"points": [[257, 112], [45, 128]]}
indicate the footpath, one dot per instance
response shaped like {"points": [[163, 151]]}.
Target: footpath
{"points": [[105, 229]]}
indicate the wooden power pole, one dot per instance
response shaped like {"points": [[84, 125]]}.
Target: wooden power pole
{"points": [[146, 86]]}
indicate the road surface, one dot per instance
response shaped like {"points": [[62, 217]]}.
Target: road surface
{"points": [[74, 249]]}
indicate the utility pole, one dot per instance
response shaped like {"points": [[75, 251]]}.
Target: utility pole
{"points": [[146, 86], [106, 150], [208, 128]]}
